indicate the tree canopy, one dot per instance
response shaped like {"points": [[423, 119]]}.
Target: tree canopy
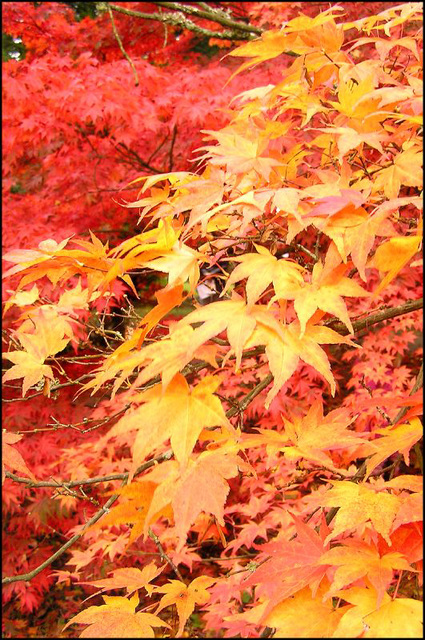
{"points": [[212, 332]]}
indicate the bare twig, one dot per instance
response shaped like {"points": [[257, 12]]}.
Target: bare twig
{"points": [[164, 556], [170, 155], [120, 44], [418, 384]]}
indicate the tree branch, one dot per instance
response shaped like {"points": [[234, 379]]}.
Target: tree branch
{"points": [[250, 396], [93, 519], [179, 20], [121, 46], [215, 15], [380, 316]]}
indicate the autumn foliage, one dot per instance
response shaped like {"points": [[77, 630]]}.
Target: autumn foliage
{"points": [[248, 464]]}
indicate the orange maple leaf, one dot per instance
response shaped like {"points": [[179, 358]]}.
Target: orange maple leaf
{"points": [[184, 597], [314, 434], [356, 559], [392, 256], [117, 619], [201, 486], [398, 438], [11, 457], [135, 501]]}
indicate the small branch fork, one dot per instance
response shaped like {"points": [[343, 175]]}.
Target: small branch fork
{"points": [[120, 44], [178, 18]]}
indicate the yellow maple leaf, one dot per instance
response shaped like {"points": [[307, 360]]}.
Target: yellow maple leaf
{"points": [[399, 618], [406, 170], [261, 269], [179, 413], [130, 578], [304, 615], [181, 263], [47, 340], [328, 285], [359, 504], [393, 255]]}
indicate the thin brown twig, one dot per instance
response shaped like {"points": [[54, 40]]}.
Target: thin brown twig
{"points": [[164, 556], [120, 44]]}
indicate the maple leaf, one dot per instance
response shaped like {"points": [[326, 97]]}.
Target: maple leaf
{"points": [[405, 171], [356, 559], [305, 616], [201, 486], [270, 45], [397, 618], [179, 413], [166, 358], [314, 434], [261, 269], [232, 315], [25, 258], [359, 504], [117, 619], [133, 508], [291, 567], [328, 285], [168, 299], [273, 43], [11, 457], [22, 298], [181, 263], [29, 363], [129, 578], [80, 559], [398, 438], [159, 239], [185, 597], [285, 348], [392, 256]]}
